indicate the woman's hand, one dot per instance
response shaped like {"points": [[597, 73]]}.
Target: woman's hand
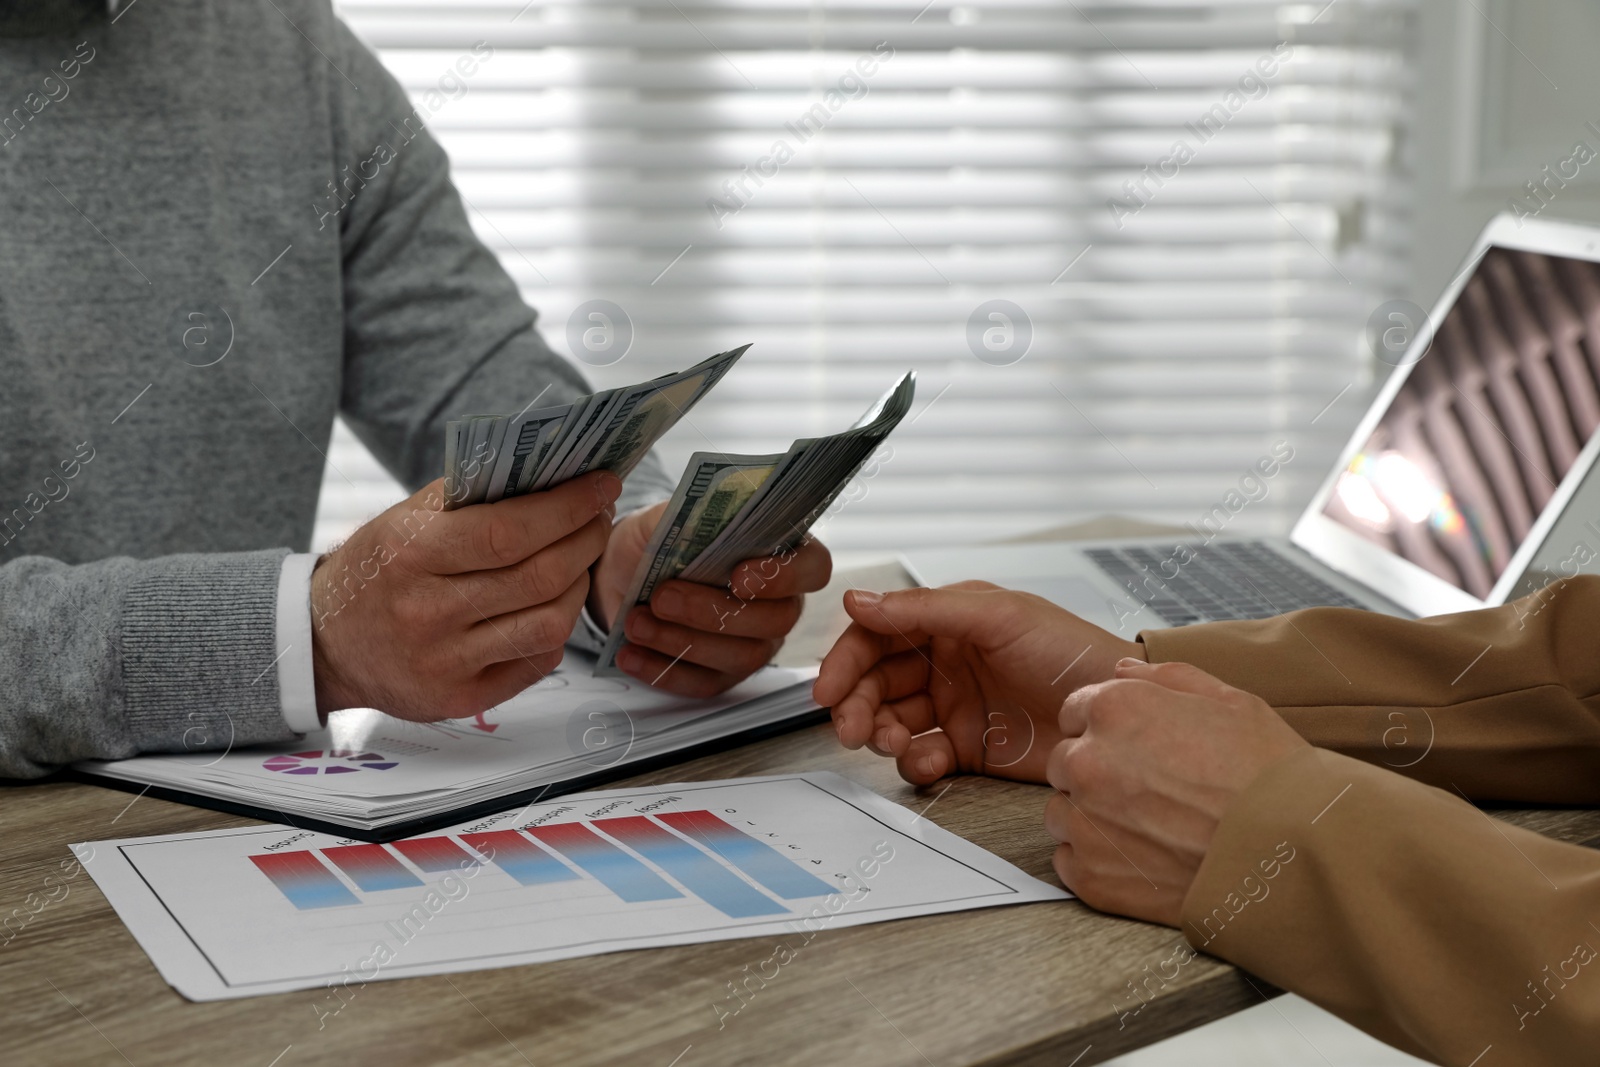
{"points": [[966, 678], [1149, 763]]}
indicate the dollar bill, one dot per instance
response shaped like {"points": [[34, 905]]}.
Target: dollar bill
{"points": [[813, 473], [728, 509], [637, 416], [713, 490], [526, 438], [469, 453], [491, 457], [586, 411]]}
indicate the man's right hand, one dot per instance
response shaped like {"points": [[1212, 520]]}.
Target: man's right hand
{"points": [[432, 614], [966, 678]]}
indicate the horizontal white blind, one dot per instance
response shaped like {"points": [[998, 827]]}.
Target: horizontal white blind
{"points": [[846, 183]]}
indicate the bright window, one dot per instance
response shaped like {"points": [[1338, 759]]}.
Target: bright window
{"points": [[859, 187]]}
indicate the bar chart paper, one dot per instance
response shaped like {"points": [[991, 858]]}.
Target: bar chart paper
{"points": [[236, 913]]}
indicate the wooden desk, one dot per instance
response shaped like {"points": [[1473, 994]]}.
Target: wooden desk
{"points": [[1038, 984]]}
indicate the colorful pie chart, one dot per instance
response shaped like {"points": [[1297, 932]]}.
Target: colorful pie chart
{"points": [[332, 761]]}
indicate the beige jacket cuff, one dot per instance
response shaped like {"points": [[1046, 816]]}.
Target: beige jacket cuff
{"points": [[1407, 912], [1502, 703]]}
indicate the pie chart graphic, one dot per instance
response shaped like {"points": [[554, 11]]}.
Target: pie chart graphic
{"points": [[332, 761]]}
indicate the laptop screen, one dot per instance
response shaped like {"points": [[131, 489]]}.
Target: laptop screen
{"points": [[1491, 419]]}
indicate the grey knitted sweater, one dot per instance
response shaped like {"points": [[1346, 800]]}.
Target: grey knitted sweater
{"points": [[251, 162]]}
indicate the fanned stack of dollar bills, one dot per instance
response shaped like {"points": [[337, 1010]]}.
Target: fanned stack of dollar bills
{"points": [[728, 509], [490, 457]]}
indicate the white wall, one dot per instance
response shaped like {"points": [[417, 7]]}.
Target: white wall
{"points": [[1505, 89]]}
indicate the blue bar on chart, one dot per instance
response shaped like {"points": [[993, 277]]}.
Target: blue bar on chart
{"points": [[436, 854], [520, 857], [699, 873], [371, 867], [304, 879], [763, 863], [612, 867]]}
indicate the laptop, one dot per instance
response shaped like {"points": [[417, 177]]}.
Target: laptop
{"points": [[1467, 483]]}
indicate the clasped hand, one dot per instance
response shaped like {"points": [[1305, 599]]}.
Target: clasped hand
{"points": [[1145, 758]]}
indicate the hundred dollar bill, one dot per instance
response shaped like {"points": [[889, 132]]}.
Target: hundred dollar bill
{"points": [[714, 489], [585, 412], [524, 442], [610, 430], [813, 473], [469, 455], [452, 450], [636, 416], [728, 509]]}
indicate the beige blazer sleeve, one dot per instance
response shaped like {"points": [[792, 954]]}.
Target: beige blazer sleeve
{"points": [[1407, 912], [1499, 704]]}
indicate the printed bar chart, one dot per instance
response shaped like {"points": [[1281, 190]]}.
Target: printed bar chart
{"points": [[304, 879], [371, 867], [619, 872], [764, 864], [655, 866], [519, 857], [701, 864], [435, 854], [698, 872]]}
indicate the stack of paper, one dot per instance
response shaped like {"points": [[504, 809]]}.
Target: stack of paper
{"points": [[370, 773]]}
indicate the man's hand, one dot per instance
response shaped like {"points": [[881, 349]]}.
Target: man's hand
{"points": [[965, 678], [1150, 762], [432, 614], [698, 640]]}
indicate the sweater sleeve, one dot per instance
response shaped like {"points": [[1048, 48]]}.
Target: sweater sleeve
{"points": [[1501, 704], [120, 656], [434, 326], [1406, 912]]}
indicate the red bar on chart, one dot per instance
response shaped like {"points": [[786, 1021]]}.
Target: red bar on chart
{"points": [[619, 872], [435, 854], [763, 863], [304, 879], [519, 857], [698, 872], [371, 867]]}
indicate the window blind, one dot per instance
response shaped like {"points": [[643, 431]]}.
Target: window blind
{"points": [[994, 194]]}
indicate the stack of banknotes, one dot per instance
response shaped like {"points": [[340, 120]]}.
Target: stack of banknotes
{"points": [[491, 457], [728, 508]]}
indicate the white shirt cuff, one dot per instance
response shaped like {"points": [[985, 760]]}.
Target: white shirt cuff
{"points": [[297, 681], [587, 635]]}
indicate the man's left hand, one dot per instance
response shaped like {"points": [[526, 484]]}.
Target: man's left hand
{"points": [[698, 640], [1151, 761]]}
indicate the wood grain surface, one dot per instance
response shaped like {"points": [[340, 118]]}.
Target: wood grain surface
{"points": [[1032, 984]]}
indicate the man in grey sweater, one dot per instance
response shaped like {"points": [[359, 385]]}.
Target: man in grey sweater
{"points": [[224, 223]]}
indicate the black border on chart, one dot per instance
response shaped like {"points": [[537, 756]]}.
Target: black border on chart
{"points": [[493, 805], [678, 788]]}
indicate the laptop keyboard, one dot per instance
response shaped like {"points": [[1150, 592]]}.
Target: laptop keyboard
{"points": [[1225, 580]]}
